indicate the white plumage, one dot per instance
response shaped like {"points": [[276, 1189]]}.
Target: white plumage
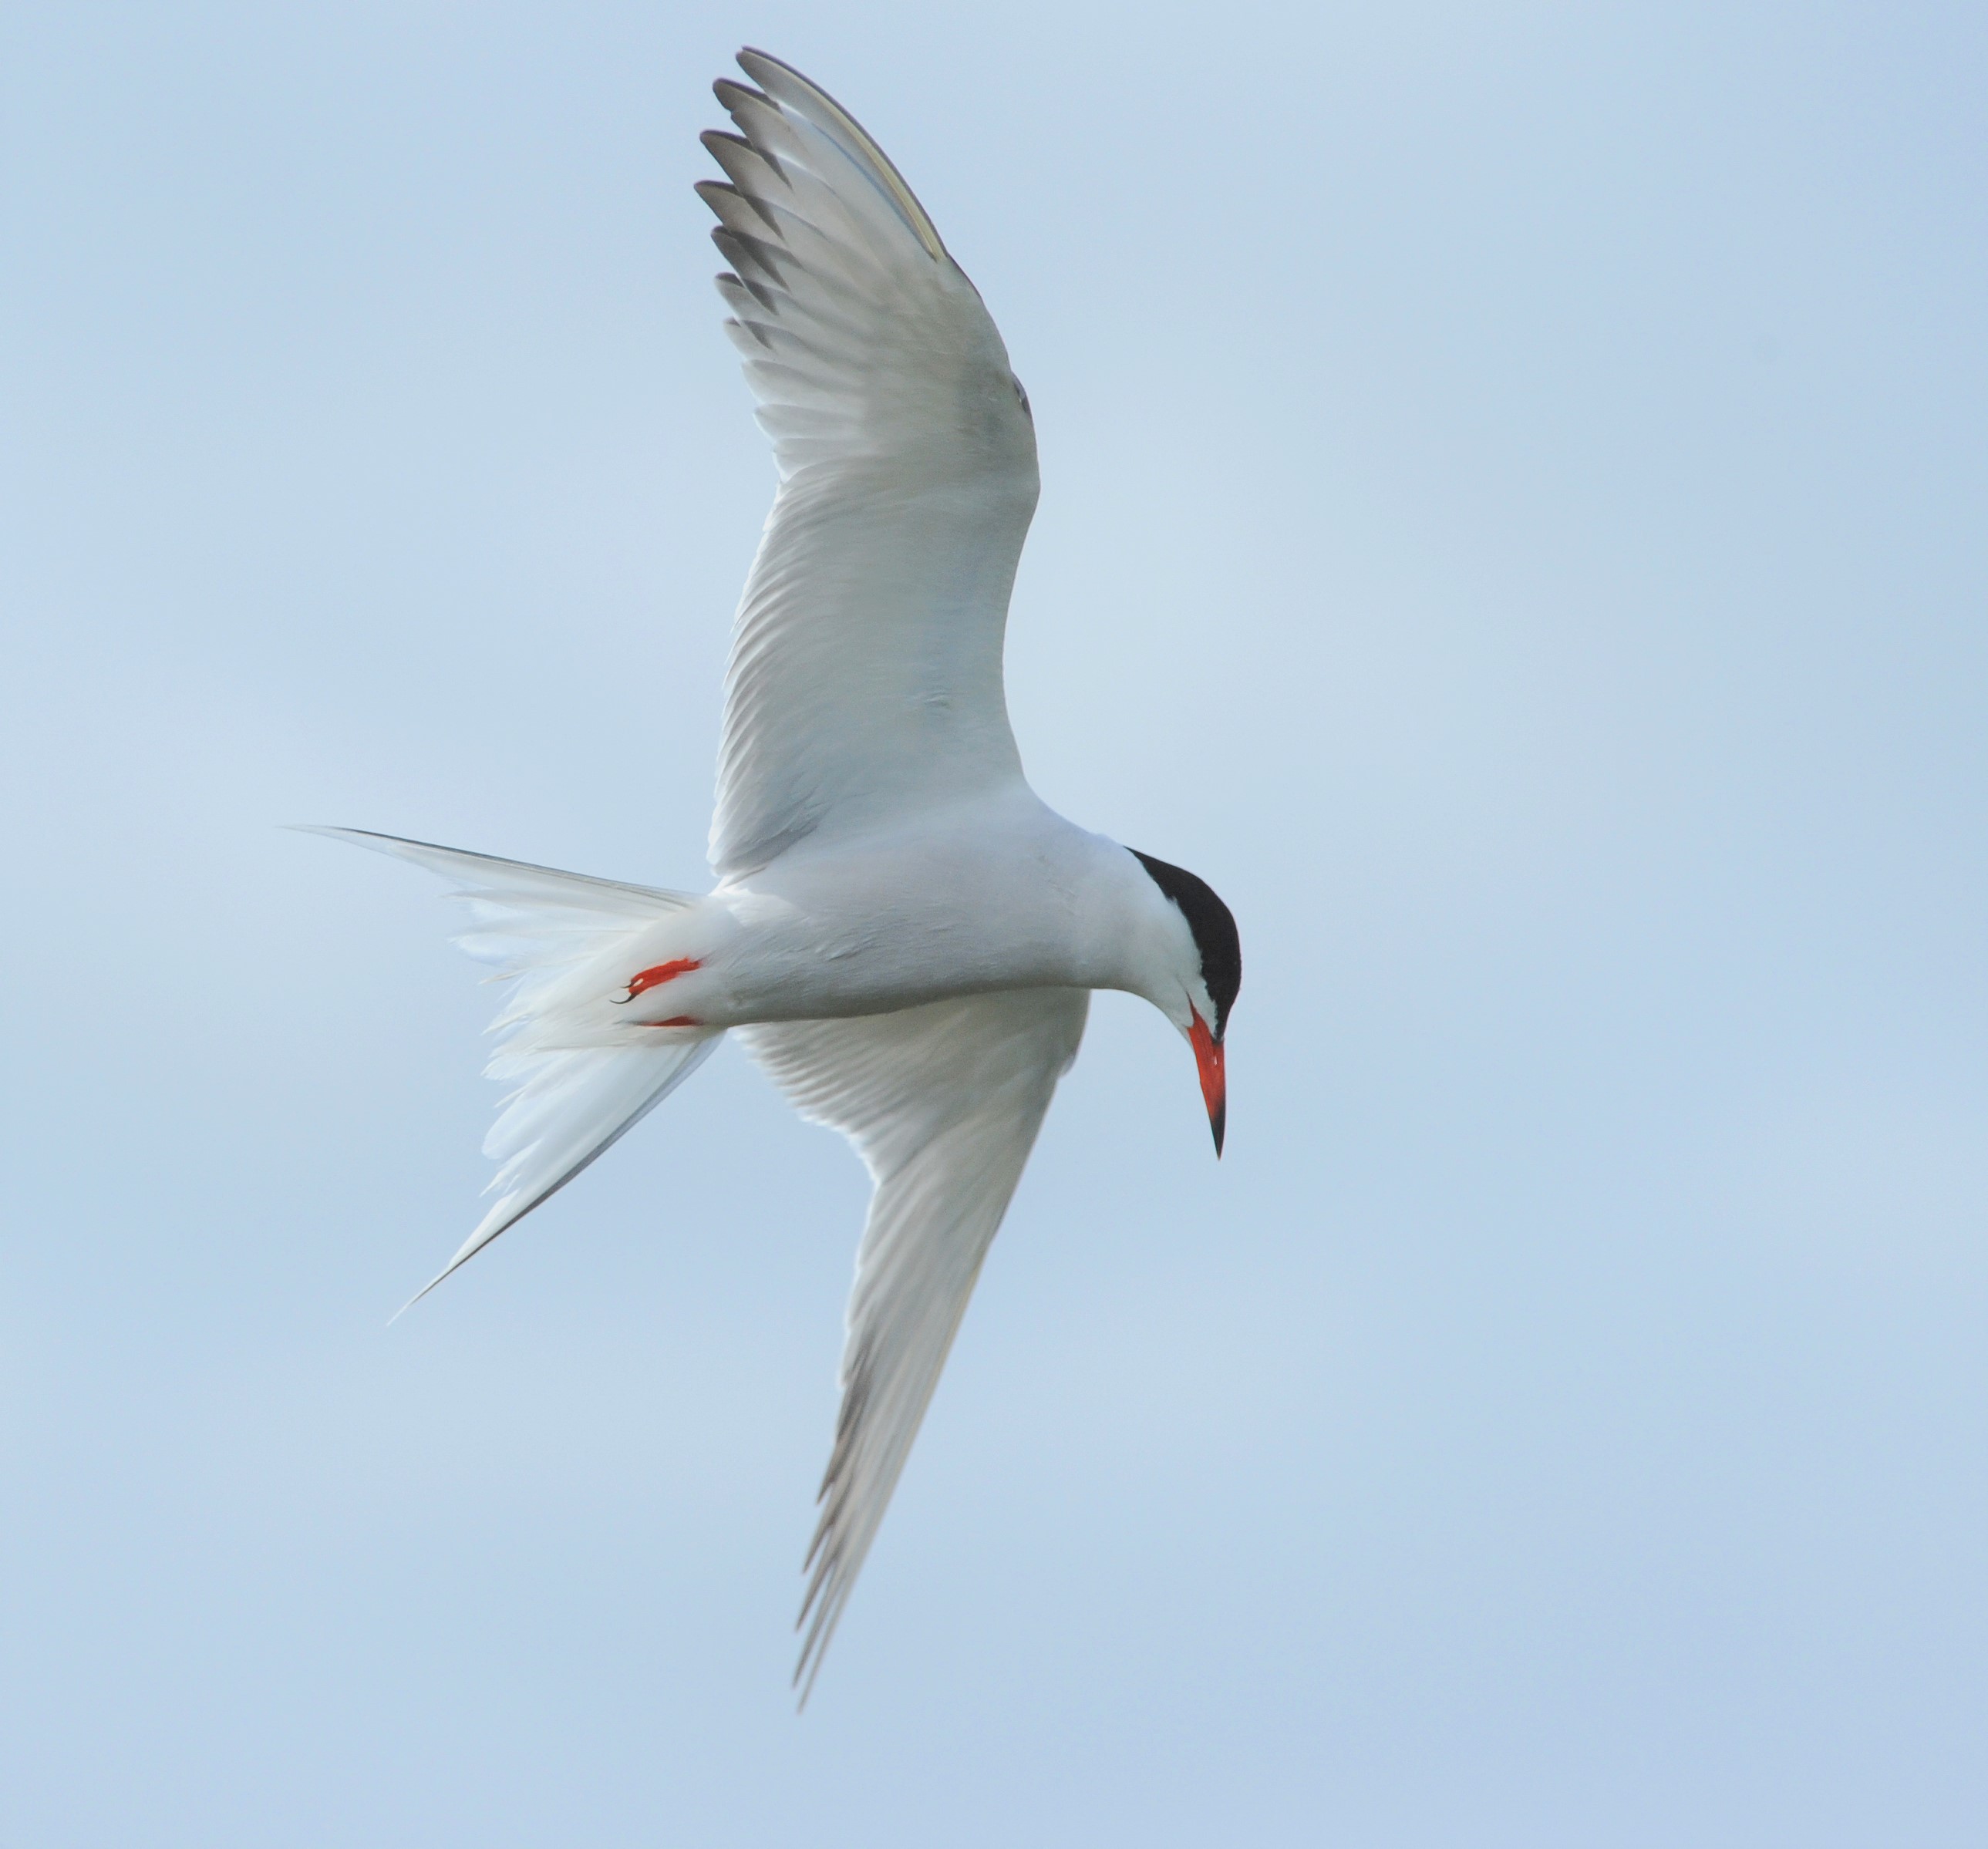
{"points": [[904, 935]]}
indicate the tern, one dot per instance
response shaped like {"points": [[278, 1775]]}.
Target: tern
{"points": [[903, 935]]}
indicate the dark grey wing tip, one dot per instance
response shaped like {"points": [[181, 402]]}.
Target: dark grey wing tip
{"points": [[747, 56], [746, 255]]}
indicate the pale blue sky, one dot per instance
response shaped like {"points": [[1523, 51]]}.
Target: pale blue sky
{"points": [[1513, 520]]}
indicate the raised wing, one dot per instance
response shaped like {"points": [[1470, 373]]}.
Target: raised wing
{"points": [[865, 676], [581, 1079], [943, 1102]]}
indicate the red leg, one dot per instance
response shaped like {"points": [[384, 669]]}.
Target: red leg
{"points": [[647, 979]]}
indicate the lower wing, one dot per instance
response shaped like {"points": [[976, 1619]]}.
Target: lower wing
{"points": [[943, 1102]]}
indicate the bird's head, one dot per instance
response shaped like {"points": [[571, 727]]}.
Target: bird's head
{"points": [[1203, 972]]}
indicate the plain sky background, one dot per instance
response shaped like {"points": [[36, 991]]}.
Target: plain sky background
{"points": [[1513, 520]]}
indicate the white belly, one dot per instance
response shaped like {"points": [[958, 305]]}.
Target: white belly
{"points": [[1001, 893], [962, 903]]}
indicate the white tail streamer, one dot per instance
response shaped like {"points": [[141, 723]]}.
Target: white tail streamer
{"points": [[581, 1075]]}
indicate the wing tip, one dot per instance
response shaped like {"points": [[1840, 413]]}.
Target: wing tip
{"points": [[726, 88], [775, 75], [828, 1613], [748, 56]]}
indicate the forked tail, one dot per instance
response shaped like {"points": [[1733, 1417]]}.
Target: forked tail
{"points": [[581, 1078]]}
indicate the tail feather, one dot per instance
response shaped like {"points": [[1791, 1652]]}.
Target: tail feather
{"points": [[583, 1075]]}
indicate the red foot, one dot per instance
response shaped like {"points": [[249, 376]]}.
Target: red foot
{"points": [[679, 1020], [647, 979]]}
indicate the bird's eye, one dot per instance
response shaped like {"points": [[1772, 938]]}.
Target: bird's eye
{"points": [[1022, 396]]}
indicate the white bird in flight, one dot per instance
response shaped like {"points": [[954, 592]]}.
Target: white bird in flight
{"points": [[902, 933]]}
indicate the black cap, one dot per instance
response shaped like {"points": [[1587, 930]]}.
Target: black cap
{"points": [[1213, 925]]}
